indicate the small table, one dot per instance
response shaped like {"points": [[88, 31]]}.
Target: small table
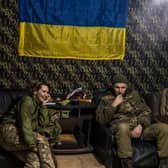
{"points": [[80, 115]]}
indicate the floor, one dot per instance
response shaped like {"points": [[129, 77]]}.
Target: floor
{"points": [[78, 161]]}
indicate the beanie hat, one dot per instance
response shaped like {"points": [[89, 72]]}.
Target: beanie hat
{"points": [[119, 79]]}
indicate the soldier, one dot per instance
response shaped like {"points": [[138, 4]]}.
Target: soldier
{"points": [[22, 130], [130, 118]]}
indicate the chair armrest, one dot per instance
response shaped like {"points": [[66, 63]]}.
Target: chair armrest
{"points": [[101, 136], [102, 140]]}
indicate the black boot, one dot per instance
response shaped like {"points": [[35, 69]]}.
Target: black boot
{"points": [[127, 163], [163, 163]]}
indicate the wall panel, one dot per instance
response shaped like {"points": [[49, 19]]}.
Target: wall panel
{"points": [[145, 62]]}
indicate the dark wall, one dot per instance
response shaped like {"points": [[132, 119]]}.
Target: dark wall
{"points": [[145, 62]]}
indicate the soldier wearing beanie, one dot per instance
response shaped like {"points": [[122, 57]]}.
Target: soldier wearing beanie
{"points": [[129, 117], [119, 79]]}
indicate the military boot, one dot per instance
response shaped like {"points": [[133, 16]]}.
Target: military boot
{"points": [[127, 163], [163, 163]]}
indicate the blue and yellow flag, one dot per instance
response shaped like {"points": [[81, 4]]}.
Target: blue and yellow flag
{"points": [[73, 29]]}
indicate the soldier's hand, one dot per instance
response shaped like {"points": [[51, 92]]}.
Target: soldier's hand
{"points": [[137, 131], [118, 100], [46, 99]]}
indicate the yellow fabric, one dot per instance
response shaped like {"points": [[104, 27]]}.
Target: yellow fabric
{"points": [[72, 42]]}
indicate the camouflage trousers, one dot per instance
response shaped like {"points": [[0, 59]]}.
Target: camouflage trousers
{"points": [[40, 158]]}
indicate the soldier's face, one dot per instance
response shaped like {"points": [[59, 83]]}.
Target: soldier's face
{"points": [[43, 93], [120, 88]]}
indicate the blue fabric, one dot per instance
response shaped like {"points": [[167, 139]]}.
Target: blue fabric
{"points": [[108, 13]]}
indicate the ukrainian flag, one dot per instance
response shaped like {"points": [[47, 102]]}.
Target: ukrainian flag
{"points": [[73, 29]]}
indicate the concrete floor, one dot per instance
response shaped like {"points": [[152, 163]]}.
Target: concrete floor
{"points": [[78, 161]]}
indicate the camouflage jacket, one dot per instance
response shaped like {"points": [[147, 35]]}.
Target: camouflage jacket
{"points": [[28, 115], [133, 109]]}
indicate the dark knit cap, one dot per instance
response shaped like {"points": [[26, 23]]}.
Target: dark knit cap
{"points": [[119, 79]]}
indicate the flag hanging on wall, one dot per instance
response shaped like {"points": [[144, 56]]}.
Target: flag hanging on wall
{"points": [[73, 29]]}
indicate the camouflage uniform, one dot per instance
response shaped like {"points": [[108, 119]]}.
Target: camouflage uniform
{"points": [[23, 133], [54, 129], [123, 118]]}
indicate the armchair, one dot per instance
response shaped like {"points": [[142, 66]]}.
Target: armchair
{"points": [[8, 98], [144, 152]]}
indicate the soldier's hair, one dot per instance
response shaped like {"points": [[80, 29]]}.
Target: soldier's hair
{"points": [[38, 86]]}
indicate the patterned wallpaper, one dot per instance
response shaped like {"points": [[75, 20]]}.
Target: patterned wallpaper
{"points": [[145, 63]]}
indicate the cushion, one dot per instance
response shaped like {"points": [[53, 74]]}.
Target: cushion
{"points": [[145, 154]]}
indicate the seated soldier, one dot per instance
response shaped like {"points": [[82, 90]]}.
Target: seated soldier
{"points": [[53, 130], [22, 130], [128, 115]]}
